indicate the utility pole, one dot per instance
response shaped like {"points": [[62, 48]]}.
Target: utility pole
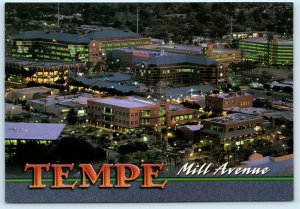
{"points": [[231, 35], [58, 15], [137, 20]]}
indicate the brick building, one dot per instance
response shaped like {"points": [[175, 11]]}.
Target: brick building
{"points": [[228, 101], [232, 127], [128, 113], [151, 67]]}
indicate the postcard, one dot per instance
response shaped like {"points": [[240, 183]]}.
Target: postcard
{"points": [[148, 102]]}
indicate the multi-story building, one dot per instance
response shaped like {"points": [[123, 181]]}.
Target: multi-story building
{"points": [[270, 50], [44, 72], [229, 100], [172, 69], [89, 47], [232, 127], [125, 114], [177, 114], [219, 52], [129, 113]]}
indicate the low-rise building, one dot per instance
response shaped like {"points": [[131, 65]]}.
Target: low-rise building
{"points": [[48, 71], [229, 100], [191, 132], [128, 113], [177, 114], [61, 105], [125, 114], [232, 127], [11, 109], [29, 93]]}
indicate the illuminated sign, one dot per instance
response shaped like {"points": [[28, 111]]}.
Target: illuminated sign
{"points": [[137, 54]]}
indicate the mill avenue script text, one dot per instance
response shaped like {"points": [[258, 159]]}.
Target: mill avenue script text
{"points": [[191, 169]]}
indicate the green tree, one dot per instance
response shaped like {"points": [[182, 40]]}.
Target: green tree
{"points": [[72, 117]]}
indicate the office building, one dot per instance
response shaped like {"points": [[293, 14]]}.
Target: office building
{"points": [[89, 47], [128, 113], [152, 67], [229, 100], [270, 50], [232, 127], [44, 72]]}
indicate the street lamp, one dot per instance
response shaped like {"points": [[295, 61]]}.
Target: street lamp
{"points": [[145, 139]]}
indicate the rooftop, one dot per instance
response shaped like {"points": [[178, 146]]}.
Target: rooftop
{"points": [[159, 58], [281, 41], [119, 81], [183, 91], [126, 102], [105, 34], [233, 118], [250, 110], [33, 131], [229, 95], [193, 127], [34, 63], [174, 108], [32, 90]]}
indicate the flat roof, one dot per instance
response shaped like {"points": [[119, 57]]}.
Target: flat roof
{"points": [[175, 107], [250, 110], [35, 63], [127, 102], [32, 90], [194, 127], [228, 95], [33, 131], [281, 41], [158, 58], [233, 118], [177, 92]]}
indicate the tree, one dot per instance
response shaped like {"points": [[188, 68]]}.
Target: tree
{"points": [[33, 152], [76, 150], [72, 117], [287, 89], [276, 88]]}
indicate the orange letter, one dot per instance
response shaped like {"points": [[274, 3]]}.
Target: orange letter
{"points": [[121, 176], [37, 174], [58, 174], [89, 170], [148, 173]]}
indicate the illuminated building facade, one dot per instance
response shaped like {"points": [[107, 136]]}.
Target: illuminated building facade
{"points": [[128, 113], [90, 47], [44, 72], [25, 94], [270, 50], [219, 52], [232, 127], [172, 69], [228, 101]]}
